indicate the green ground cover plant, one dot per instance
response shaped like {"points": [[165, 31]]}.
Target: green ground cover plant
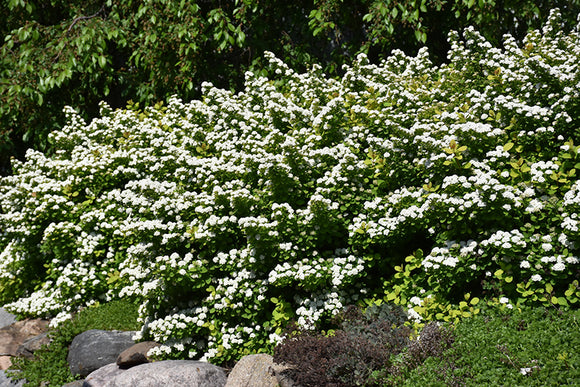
{"points": [[49, 364], [431, 187], [528, 347]]}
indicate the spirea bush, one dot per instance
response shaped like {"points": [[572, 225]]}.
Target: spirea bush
{"points": [[225, 218]]}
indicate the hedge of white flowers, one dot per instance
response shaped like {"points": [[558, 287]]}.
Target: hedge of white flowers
{"points": [[227, 217]]}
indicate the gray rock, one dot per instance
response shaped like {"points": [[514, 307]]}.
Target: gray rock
{"points": [[135, 355], [258, 371], [103, 376], [28, 347], [175, 373], [6, 318], [76, 383], [6, 381], [94, 349]]}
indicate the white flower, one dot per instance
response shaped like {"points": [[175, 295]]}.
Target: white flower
{"points": [[275, 338], [536, 278], [572, 260], [524, 264], [413, 315], [525, 371], [559, 266]]}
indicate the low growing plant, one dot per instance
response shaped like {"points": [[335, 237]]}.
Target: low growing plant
{"points": [[226, 217], [362, 345], [528, 347]]}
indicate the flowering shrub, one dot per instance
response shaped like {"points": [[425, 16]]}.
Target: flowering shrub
{"points": [[226, 217]]}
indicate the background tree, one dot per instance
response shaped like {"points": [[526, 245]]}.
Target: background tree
{"points": [[56, 53]]}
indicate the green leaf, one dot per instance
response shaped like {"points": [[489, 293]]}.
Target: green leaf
{"points": [[420, 36], [415, 16], [525, 168], [562, 301], [102, 61], [508, 146]]}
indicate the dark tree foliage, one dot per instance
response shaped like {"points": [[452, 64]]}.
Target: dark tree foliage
{"points": [[56, 53]]}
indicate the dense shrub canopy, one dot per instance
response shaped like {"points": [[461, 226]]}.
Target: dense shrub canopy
{"points": [[225, 217]]}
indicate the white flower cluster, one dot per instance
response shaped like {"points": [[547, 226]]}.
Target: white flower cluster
{"points": [[334, 270], [542, 169], [312, 309], [506, 240], [442, 256]]}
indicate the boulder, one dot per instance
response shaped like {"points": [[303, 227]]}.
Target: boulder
{"points": [[104, 376], [95, 348], [6, 318], [28, 347], [258, 371], [76, 383], [6, 381], [175, 373], [136, 354]]}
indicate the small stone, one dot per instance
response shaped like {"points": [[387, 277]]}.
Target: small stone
{"points": [[135, 355], [5, 363]]}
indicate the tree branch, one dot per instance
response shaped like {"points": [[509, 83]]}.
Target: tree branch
{"points": [[75, 21]]}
